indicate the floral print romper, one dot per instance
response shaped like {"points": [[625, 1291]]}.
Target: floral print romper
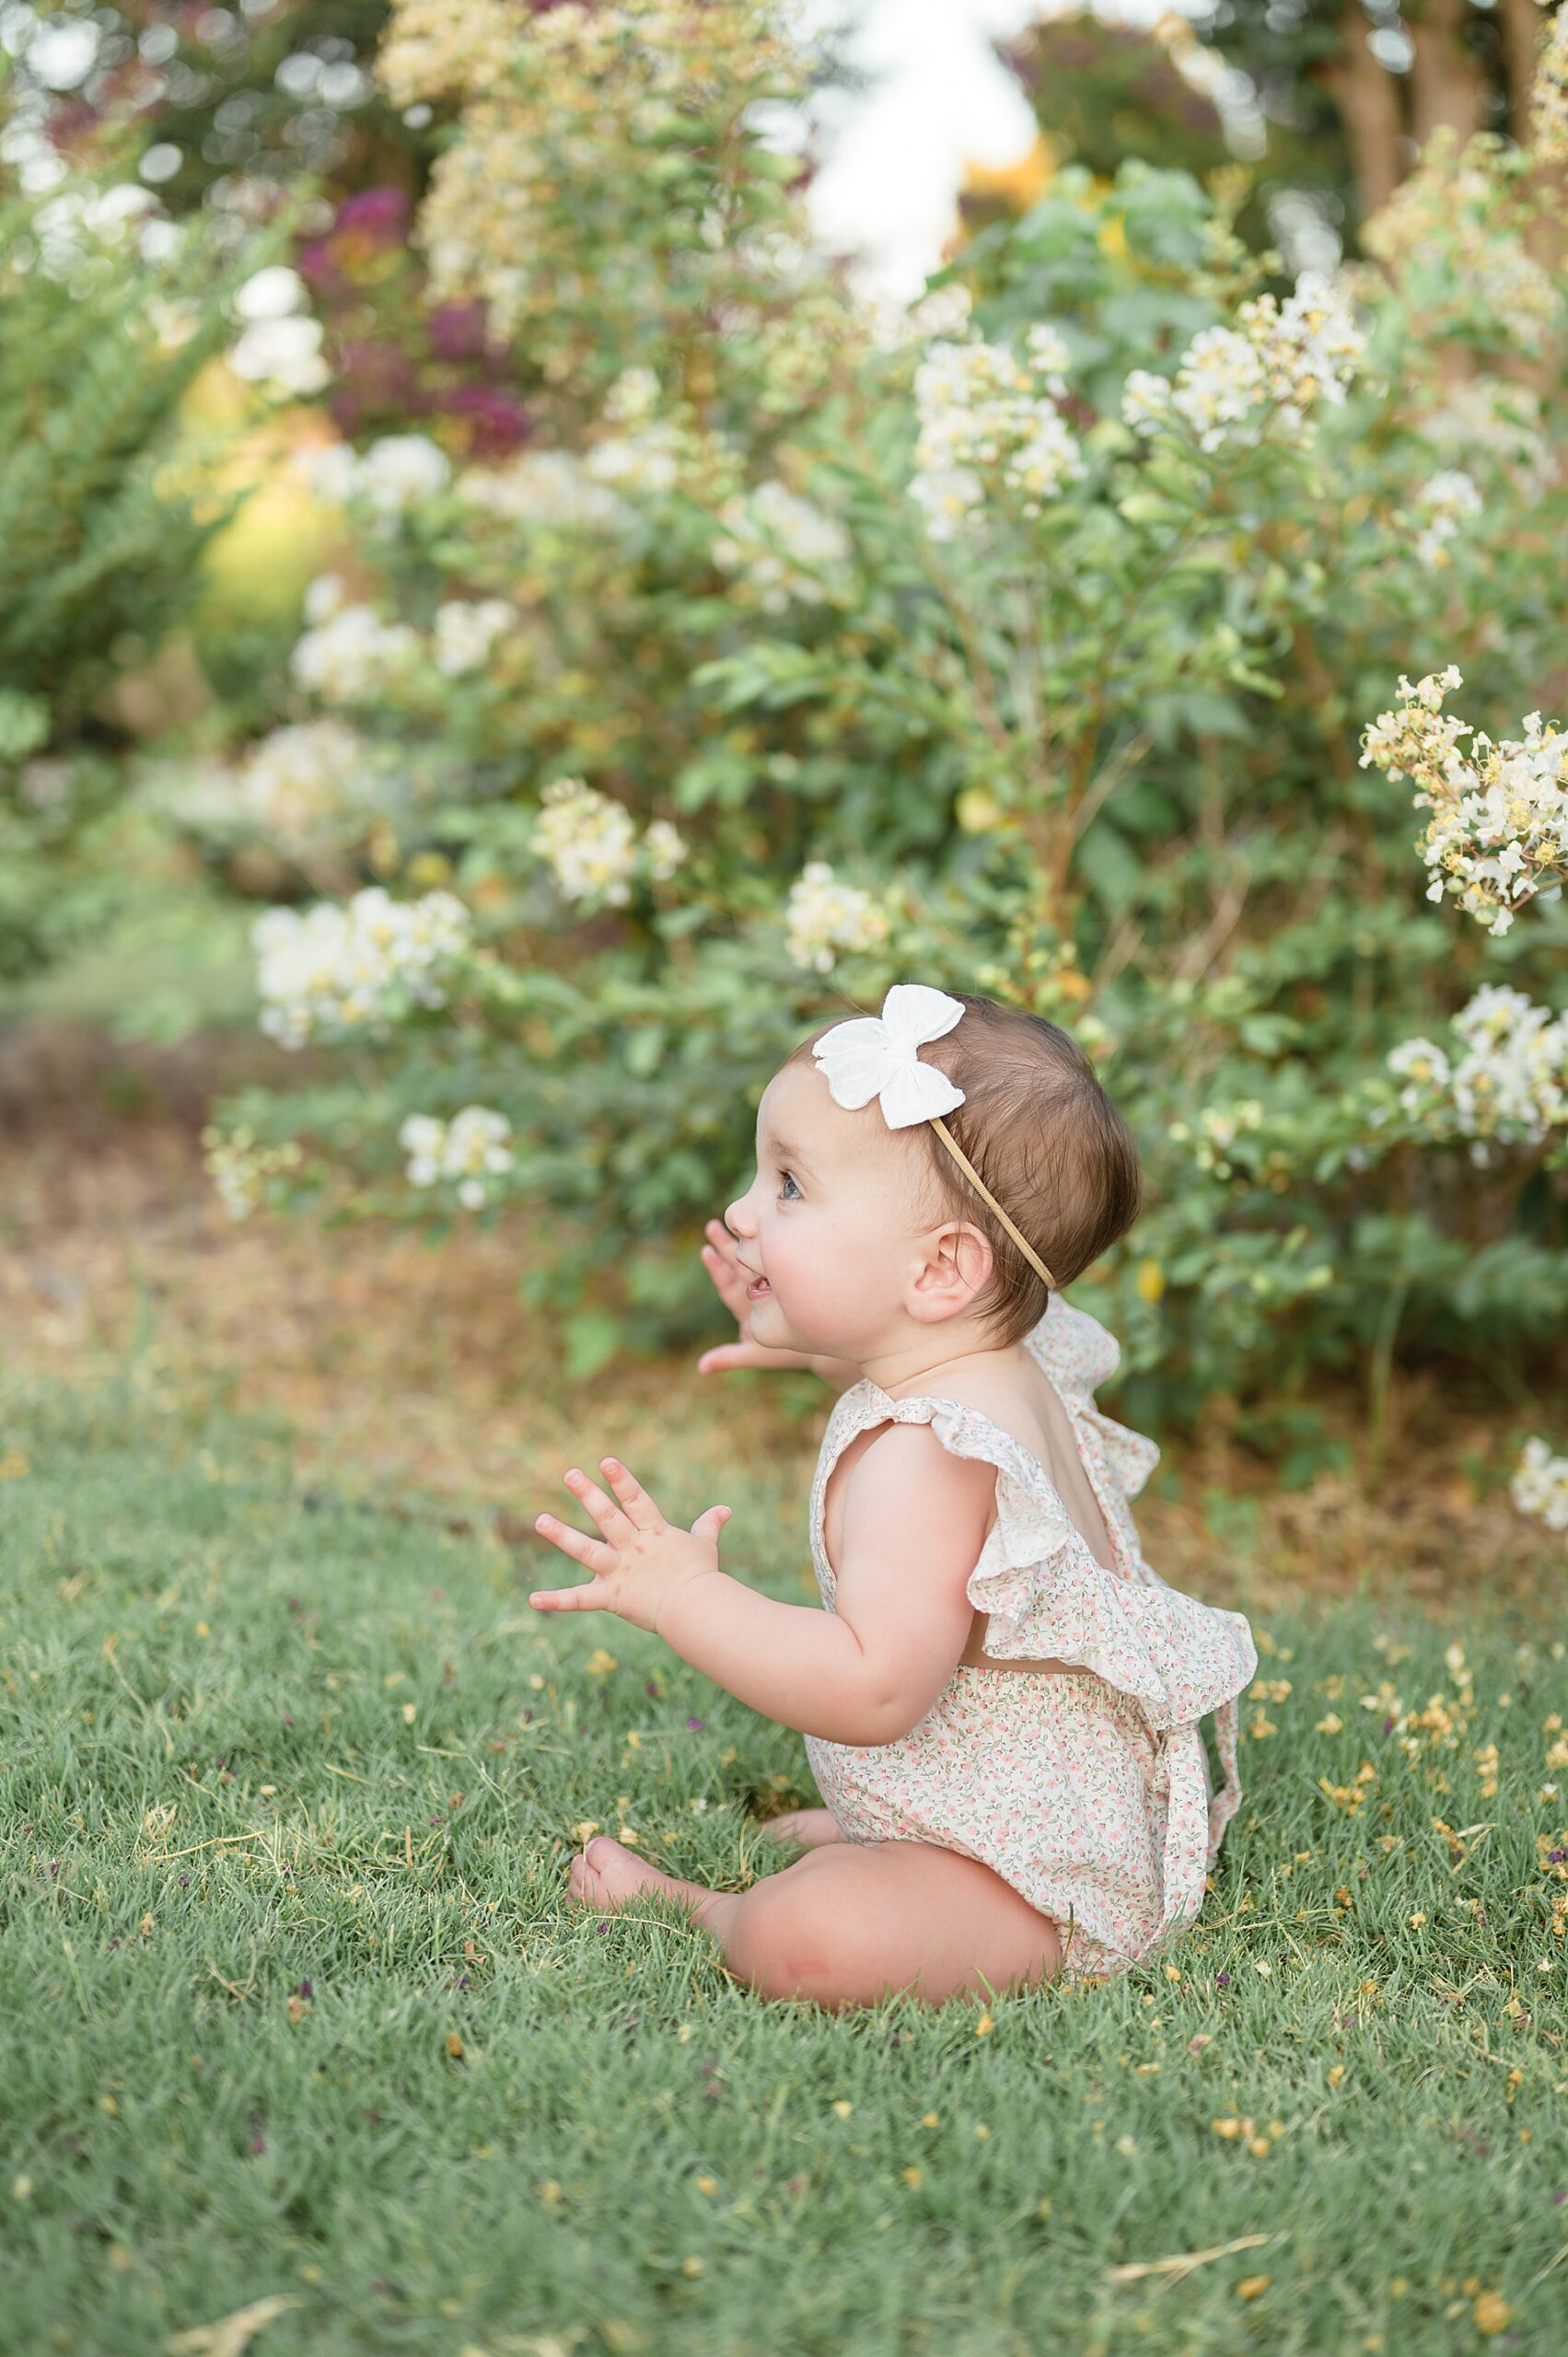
{"points": [[1089, 1793]]}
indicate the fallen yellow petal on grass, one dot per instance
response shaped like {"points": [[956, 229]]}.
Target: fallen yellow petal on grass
{"points": [[1492, 2312], [984, 2027], [232, 2334], [1251, 2285]]}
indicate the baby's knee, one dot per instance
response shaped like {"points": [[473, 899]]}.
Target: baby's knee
{"points": [[800, 1934]]}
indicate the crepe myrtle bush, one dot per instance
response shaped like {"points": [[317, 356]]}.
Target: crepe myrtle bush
{"points": [[1023, 643]]}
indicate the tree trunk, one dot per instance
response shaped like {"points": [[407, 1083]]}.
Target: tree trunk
{"points": [[1521, 24], [1368, 101], [1448, 86]]}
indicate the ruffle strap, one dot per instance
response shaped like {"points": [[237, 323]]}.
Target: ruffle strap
{"points": [[1049, 1598], [1078, 1355]]}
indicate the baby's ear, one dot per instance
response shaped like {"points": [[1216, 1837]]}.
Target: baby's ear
{"points": [[957, 1267]]}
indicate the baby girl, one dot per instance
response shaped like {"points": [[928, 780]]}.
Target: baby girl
{"points": [[1000, 1699]]}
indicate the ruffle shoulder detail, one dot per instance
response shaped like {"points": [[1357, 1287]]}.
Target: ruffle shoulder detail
{"points": [[1048, 1598], [1078, 1355]]}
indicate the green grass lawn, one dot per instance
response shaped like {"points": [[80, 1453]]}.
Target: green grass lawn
{"points": [[293, 2006]]}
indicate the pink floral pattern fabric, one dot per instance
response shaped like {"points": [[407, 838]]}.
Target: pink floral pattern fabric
{"points": [[1090, 1794]]}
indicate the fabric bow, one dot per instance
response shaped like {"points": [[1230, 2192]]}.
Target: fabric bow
{"points": [[875, 1056]]}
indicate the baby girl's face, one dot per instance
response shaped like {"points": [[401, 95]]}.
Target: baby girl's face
{"points": [[832, 1221]]}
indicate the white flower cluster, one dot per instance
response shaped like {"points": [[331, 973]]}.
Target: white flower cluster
{"points": [[467, 628], [241, 1168], [983, 411], [780, 544], [823, 919], [589, 842], [1498, 834], [279, 344], [392, 475], [1507, 1078], [542, 487], [1443, 502], [1549, 99], [1272, 369], [301, 783], [471, 1148], [1216, 1130], [645, 453], [1540, 1485], [351, 653], [357, 968], [1494, 419]]}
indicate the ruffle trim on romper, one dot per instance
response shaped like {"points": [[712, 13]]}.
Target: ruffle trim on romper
{"points": [[1049, 1597]]}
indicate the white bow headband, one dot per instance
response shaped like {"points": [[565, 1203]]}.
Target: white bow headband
{"points": [[875, 1056]]}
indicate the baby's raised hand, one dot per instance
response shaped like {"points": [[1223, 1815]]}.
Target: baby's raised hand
{"points": [[722, 1263], [641, 1562]]}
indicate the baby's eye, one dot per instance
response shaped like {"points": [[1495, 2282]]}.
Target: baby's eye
{"points": [[788, 1178]]}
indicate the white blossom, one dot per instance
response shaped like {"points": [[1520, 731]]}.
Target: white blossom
{"points": [[300, 783], [240, 1168], [1497, 419], [353, 655], [1549, 99], [1424, 1066], [634, 462], [392, 475], [664, 850], [1443, 501], [284, 353], [324, 597], [466, 630], [543, 487], [1498, 834], [1505, 1077], [471, 1148], [1539, 1485], [824, 918], [780, 544], [339, 970], [1234, 384], [399, 471], [981, 409], [588, 840]]}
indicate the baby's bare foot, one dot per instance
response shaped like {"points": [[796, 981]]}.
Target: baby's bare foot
{"points": [[607, 1875], [812, 1827]]}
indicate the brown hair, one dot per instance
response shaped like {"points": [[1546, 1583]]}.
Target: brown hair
{"points": [[1046, 1139]]}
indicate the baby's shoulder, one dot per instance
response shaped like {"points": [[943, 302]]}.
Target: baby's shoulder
{"points": [[903, 1486]]}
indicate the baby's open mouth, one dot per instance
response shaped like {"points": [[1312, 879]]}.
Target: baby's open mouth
{"points": [[758, 1288]]}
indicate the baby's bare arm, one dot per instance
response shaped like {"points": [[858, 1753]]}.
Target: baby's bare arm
{"points": [[914, 1524]]}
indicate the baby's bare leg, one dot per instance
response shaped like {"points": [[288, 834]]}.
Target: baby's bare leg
{"points": [[810, 1827], [855, 1921]]}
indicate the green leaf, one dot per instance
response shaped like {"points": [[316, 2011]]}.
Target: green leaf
{"points": [[591, 1337]]}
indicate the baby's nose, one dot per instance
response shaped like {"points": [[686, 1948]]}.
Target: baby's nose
{"points": [[737, 1219]]}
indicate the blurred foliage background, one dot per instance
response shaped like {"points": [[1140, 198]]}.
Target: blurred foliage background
{"points": [[468, 524]]}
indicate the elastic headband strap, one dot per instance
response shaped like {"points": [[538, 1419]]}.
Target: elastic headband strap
{"points": [[1025, 1246]]}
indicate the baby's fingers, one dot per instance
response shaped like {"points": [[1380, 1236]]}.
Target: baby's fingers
{"points": [[593, 1553], [639, 1508], [594, 1597]]}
